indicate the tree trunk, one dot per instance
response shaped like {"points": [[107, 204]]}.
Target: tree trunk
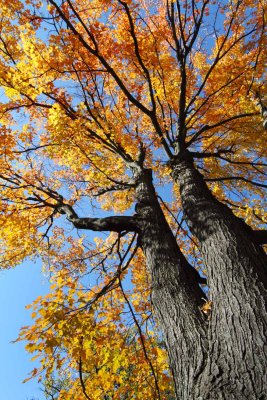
{"points": [[237, 278], [176, 295]]}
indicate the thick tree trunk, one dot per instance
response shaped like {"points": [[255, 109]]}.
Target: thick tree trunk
{"points": [[176, 295], [237, 278]]}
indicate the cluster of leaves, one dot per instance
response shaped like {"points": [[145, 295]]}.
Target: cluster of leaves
{"points": [[101, 339], [86, 83]]}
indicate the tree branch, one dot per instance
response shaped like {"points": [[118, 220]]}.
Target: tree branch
{"points": [[142, 340], [235, 178], [104, 62], [114, 223], [81, 379], [206, 128], [217, 153]]}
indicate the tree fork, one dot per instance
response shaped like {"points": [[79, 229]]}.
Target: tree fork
{"points": [[237, 278]]}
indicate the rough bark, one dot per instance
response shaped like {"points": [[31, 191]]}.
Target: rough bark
{"points": [[237, 278], [176, 295]]}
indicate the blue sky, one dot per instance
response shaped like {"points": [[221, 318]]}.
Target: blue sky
{"points": [[18, 287]]}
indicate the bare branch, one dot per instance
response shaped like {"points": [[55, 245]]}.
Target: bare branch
{"points": [[235, 178], [81, 379], [206, 128], [217, 153], [141, 339], [112, 224]]}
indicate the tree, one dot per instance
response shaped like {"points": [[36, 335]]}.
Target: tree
{"points": [[110, 101]]}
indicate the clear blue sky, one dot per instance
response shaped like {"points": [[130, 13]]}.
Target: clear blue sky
{"points": [[18, 287]]}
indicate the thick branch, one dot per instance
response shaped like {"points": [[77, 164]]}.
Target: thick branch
{"points": [[114, 223]]}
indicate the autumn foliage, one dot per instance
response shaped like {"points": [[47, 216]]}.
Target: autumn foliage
{"points": [[90, 90]]}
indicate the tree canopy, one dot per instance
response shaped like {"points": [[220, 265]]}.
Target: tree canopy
{"points": [[95, 94]]}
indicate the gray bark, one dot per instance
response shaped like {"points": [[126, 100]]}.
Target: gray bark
{"points": [[176, 295], [237, 277]]}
